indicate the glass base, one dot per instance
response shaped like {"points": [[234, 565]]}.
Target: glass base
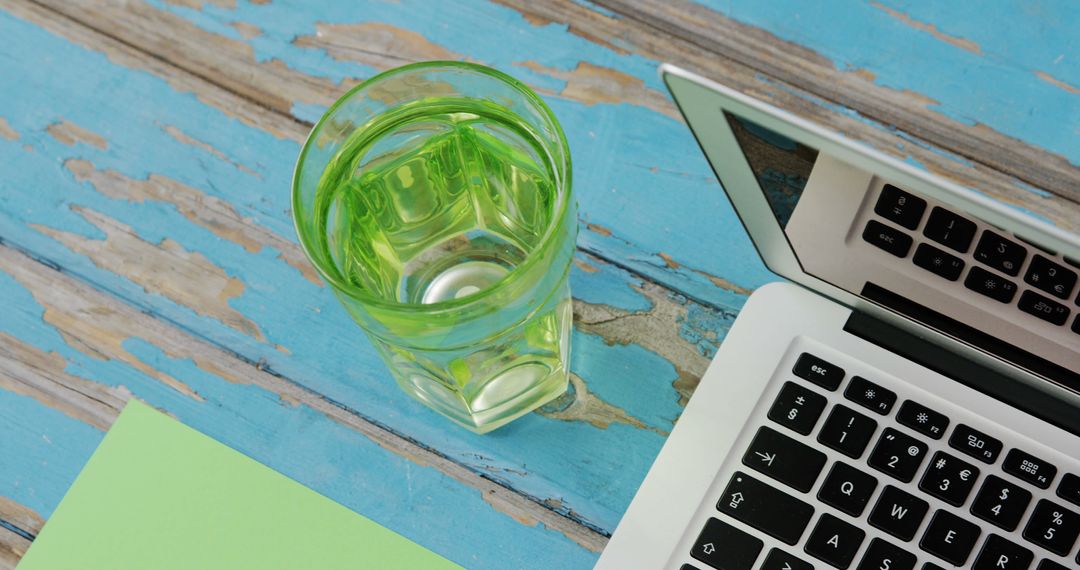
{"points": [[511, 395]]}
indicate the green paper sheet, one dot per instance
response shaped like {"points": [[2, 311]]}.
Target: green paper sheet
{"points": [[159, 495]]}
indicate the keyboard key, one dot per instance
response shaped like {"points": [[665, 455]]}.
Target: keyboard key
{"points": [[1076, 321], [847, 431], [897, 454], [797, 408], [900, 207], [975, 443], [949, 479], [834, 541], [1069, 488], [784, 459], [870, 395], [765, 508], [1047, 564], [1000, 502], [887, 238], [1000, 554], [985, 283], [949, 229], [1053, 527], [950, 538], [1027, 467], [816, 370], [1050, 277], [847, 489], [780, 560], [898, 513], [1004, 255], [725, 547], [938, 262], [922, 419], [1044, 308], [881, 554]]}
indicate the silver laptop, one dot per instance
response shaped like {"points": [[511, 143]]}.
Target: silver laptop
{"points": [[908, 399]]}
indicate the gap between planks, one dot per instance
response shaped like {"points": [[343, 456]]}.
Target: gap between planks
{"points": [[171, 338]]}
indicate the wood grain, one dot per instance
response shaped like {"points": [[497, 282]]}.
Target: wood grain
{"points": [[71, 301]]}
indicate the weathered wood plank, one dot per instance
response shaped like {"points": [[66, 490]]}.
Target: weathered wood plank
{"points": [[611, 105], [907, 74], [241, 392]]}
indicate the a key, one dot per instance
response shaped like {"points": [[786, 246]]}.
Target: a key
{"points": [[870, 395], [1000, 502], [897, 454], [1027, 467], [975, 443], [818, 371], [883, 555], [1004, 255], [1050, 277], [797, 408], [938, 262], [847, 489], [834, 541], [784, 459], [725, 547], [1000, 554], [779, 560], [765, 508], [900, 207], [1053, 527], [898, 513], [1069, 488], [887, 238], [986, 283], [949, 479], [847, 431], [1043, 308], [950, 538], [949, 229], [922, 419]]}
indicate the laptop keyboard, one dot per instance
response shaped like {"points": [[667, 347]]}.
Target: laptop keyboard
{"points": [[1050, 283], [909, 485]]}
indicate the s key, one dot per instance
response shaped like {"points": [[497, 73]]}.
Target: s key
{"points": [[784, 459]]}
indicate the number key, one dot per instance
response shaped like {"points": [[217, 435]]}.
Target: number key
{"points": [[1053, 527], [847, 431], [949, 229], [797, 408], [897, 454], [1050, 277], [949, 479], [1000, 502], [1001, 254]]}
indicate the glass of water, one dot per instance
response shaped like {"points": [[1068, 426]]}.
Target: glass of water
{"points": [[435, 201]]}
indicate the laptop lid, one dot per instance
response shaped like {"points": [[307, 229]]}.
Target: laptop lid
{"points": [[932, 258]]}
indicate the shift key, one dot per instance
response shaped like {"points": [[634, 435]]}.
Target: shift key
{"points": [[765, 508], [784, 459]]}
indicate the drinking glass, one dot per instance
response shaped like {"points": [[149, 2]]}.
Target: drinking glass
{"points": [[434, 199]]}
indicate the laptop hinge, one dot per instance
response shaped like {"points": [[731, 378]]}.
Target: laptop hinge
{"points": [[965, 371]]}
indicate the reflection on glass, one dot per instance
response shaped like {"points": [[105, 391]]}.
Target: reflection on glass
{"points": [[781, 165]]}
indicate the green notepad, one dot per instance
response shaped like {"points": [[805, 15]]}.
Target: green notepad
{"points": [[159, 495]]}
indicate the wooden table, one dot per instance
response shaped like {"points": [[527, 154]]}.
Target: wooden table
{"points": [[147, 250]]}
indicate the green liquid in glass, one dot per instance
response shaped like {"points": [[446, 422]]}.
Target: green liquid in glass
{"points": [[436, 201]]}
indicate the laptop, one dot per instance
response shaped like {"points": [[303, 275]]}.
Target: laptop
{"points": [[908, 399]]}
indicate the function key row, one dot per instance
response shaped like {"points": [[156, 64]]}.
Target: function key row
{"points": [[993, 250]]}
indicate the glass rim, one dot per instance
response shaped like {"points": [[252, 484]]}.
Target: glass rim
{"points": [[563, 194]]}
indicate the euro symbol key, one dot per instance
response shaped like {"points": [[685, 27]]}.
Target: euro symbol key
{"points": [[766, 457]]}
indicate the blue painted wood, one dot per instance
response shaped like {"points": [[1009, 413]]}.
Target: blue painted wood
{"points": [[1009, 65], [573, 465]]}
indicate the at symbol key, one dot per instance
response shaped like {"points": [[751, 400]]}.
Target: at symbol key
{"points": [[784, 459]]}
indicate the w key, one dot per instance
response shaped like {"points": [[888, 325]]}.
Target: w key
{"points": [[784, 459], [765, 508]]}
